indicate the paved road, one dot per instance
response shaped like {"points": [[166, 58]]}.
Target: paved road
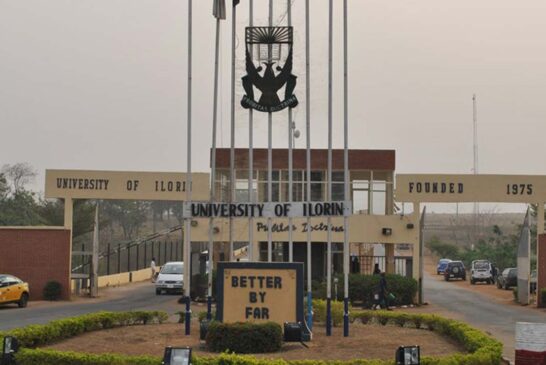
{"points": [[480, 310], [139, 296]]}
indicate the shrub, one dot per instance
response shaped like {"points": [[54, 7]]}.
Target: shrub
{"points": [[319, 311], [52, 290], [39, 335], [363, 287], [203, 315], [244, 338]]}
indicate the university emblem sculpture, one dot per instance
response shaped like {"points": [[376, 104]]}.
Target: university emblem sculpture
{"points": [[266, 46]]}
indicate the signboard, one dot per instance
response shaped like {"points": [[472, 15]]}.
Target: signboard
{"points": [[470, 188], [530, 343], [124, 185], [266, 210], [260, 292]]}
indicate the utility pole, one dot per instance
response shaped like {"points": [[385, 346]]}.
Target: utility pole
{"points": [[475, 169]]}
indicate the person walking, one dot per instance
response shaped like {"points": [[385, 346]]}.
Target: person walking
{"points": [[153, 268], [383, 295], [376, 270]]}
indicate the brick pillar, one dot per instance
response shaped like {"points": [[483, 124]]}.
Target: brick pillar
{"points": [[541, 267]]}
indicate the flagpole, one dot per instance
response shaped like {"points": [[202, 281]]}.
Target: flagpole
{"points": [[290, 155], [187, 221], [329, 198], [308, 163], [213, 168], [346, 244], [269, 154], [232, 150], [250, 253]]}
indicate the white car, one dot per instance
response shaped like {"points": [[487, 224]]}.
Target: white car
{"points": [[170, 278], [481, 271]]}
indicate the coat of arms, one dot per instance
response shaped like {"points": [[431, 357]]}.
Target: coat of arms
{"points": [[265, 47]]}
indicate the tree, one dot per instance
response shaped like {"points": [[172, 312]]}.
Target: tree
{"points": [[20, 209], [130, 215], [19, 174], [4, 187], [52, 212]]}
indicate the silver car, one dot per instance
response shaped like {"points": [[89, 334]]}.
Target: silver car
{"points": [[170, 278]]}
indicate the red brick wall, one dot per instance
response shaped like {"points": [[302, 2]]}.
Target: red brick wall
{"points": [[541, 266], [358, 159], [36, 256]]}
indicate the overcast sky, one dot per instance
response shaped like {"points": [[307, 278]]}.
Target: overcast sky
{"points": [[93, 84]]}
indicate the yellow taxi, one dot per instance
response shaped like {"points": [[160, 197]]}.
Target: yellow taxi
{"points": [[13, 290]]}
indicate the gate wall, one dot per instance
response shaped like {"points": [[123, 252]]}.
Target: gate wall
{"points": [[37, 255]]}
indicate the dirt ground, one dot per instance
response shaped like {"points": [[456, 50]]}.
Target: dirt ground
{"points": [[365, 341]]}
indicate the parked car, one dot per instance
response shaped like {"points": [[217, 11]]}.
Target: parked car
{"points": [[13, 290], [455, 270], [170, 278], [533, 282], [442, 264], [508, 278], [481, 272]]}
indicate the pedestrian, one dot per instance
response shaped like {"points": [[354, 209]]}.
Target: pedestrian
{"points": [[383, 295], [376, 270], [494, 273], [153, 268]]}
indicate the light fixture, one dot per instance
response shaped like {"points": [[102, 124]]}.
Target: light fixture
{"points": [[386, 231], [408, 355], [410, 226], [216, 230], [194, 223], [177, 356], [293, 332], [10, 347]]}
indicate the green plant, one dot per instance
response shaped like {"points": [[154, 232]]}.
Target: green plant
{"points": [[244, 338], [40, 335], [52, 290], [202, 316], [319, 310]]}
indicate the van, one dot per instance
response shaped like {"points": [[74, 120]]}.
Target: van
{"points": [[481, 272]]}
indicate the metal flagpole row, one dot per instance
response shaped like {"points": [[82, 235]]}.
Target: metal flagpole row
{"points": [[308, 162], [346, 244], [269, 153], [290, 154], [250, 253], [329, 197], [187, 222]]}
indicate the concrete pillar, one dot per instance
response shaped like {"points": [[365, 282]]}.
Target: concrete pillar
{"points": [[541, 267], [68, 224], [389, 258]]}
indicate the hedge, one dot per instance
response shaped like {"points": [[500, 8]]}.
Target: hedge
{"points": [[41, 335], [319, 311], [244, 338], [363, 287], [483, 350]]}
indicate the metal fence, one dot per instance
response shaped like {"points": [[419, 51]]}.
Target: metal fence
{"points": [[126, 257], [403, 265]]}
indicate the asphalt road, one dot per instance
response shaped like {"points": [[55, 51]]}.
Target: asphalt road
{"points": [[480, 311], [139, 296]]}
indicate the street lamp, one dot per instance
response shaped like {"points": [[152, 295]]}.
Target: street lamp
{"points": [[10, 347], [408, 355], [177, 356]]}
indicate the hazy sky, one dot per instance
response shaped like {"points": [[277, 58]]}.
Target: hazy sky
{"points": [[93, 84]]}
